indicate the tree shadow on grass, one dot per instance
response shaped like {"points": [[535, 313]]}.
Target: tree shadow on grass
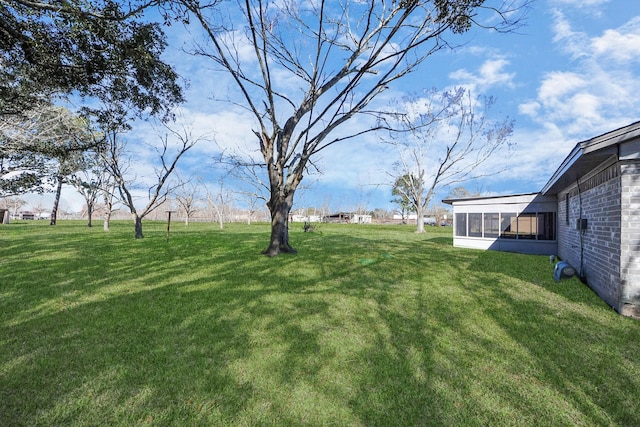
{"points": [[576, 347], [123, 332], [203, 330], [445, 241], [90, 335], [491, 345], [121, 360], [537, 270]]}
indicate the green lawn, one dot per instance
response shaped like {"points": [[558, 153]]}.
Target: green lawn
{"points": [[366, 326]]}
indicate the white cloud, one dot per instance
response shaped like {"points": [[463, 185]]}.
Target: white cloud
{"points": [[620, 45], [597, 91], [490, 73], [530, 108], [558, 84], [573, 42], [538, 154], [581, 3]]}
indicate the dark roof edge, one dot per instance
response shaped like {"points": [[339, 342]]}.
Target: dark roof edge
{"points": [[596, 143], [613, 137], [571, 158], [468, 199]]}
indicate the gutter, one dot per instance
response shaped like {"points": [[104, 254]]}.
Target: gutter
{"points": [[612, 138], [597, 143], [569, 161]]}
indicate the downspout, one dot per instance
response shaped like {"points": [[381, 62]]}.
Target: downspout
{"points": [[582, 231]]}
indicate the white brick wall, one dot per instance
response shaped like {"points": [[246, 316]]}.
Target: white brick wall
{"points": [[630, 245], [596, 251], [607, 253]]}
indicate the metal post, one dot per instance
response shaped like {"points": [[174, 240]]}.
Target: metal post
{"points": [[169, 224]]}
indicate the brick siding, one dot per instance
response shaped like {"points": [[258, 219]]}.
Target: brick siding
{"points": [[630, 245], [594, 252]]}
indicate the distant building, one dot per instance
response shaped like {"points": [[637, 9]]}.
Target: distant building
{"points": [[428, 220], [305, 218], [360, 219], [348, 217], [27, 215]]}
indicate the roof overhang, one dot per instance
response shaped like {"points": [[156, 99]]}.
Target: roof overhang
{"points": [[587, 155], [526, 197], [620, 144]]}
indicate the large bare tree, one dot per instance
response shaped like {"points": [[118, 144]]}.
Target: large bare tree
{"points": [[304, 69], [442, 140]]}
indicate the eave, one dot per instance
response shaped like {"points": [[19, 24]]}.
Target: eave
{"points": [[587, 155]]}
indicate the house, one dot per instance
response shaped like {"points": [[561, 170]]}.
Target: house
{"points": [[360, 219], [338, 217], [28, 215], [304, 218], [588, 214], [427, 220], [347, 217], [524, 223]]}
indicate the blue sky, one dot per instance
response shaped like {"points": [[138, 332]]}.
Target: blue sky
{"points": [[573, 72]]}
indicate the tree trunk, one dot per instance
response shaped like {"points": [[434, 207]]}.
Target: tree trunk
{"points": [[419, 219], [138, 227], [108, 209], [56, 201], [279, 241], [89, 214]]}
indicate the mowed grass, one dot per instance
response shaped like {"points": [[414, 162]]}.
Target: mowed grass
{"points": [[366, 326]]}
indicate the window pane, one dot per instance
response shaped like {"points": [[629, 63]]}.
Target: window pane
{"points": [[491, 225], [527, 226], [508, 225], [461, 224], [475, 225], [547, 226]]}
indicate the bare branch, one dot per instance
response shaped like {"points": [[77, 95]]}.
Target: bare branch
{"points": [[305, 69], [443, 142]]}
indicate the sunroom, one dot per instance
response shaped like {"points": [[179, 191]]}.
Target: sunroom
{"points": [[524, 223]]}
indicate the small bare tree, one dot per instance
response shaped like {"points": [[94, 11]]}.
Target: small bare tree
{"points": [[252, 203], [219, 202], [442, 140], [109, 185], [187, 195], [89, 180], [159, 189], [251, 188], [12, 204]]}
